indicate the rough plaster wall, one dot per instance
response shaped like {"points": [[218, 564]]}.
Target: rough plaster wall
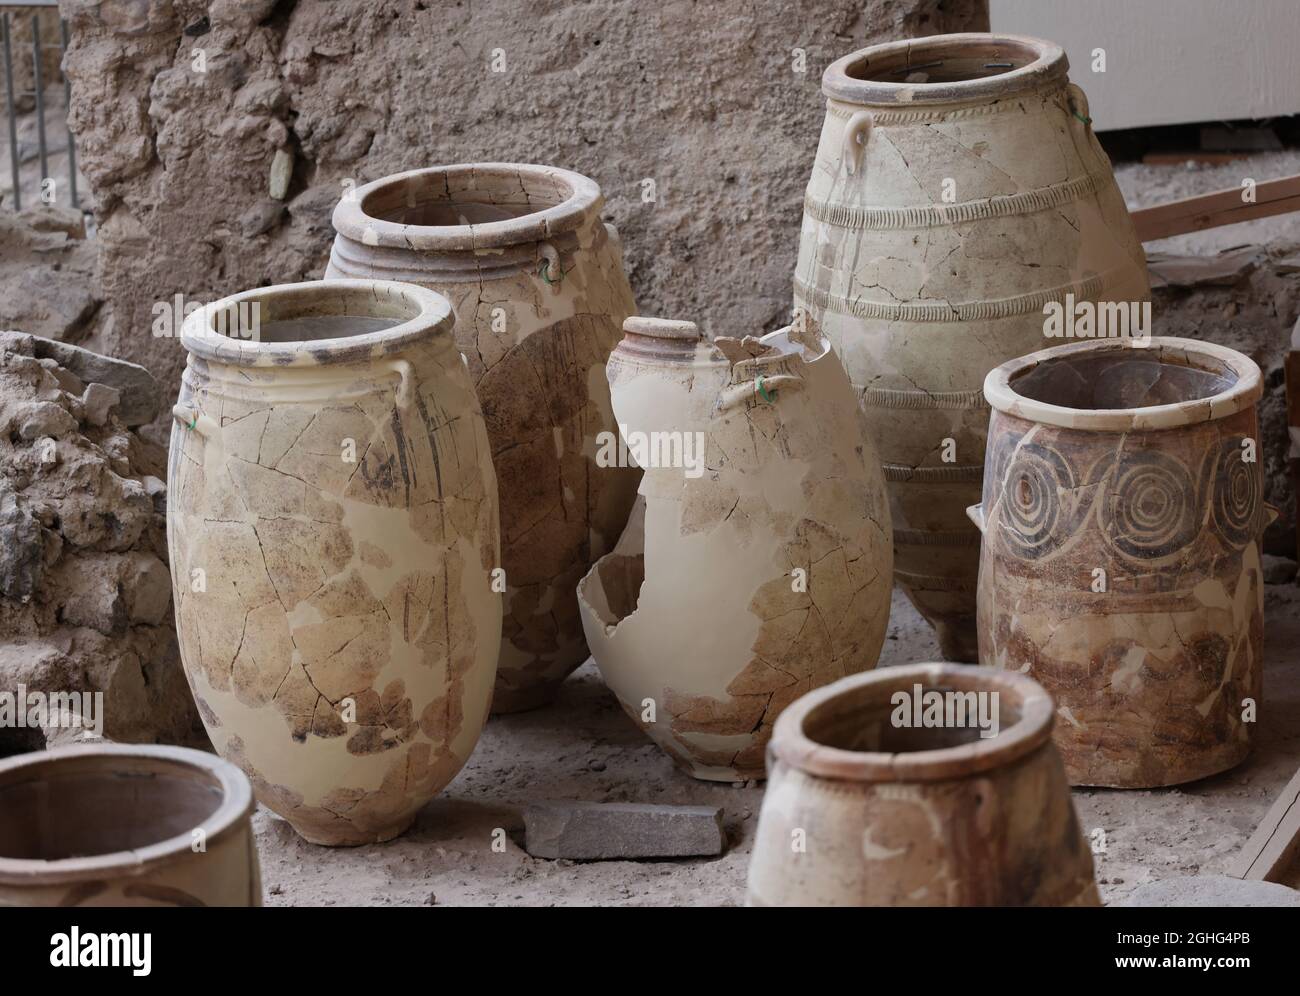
{"points": [[699, 97]]}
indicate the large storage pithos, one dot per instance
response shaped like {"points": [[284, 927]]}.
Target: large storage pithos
{"points": [[1122, 513], [537, 285], [957, 190], [126, 825], [757, 563], [919, 785], [332, 522]]}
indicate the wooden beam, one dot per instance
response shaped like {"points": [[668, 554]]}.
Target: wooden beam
{"points": [[1273, 853], [1223, 207]]}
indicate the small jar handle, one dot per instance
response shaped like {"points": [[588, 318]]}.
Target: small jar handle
{"points": [[406, 385], [193, 420], [856, 134]]}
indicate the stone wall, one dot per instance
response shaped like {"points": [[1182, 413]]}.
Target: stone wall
{"points": [[180, 107]]}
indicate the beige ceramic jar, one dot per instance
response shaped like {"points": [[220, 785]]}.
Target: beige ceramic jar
{"points": [[757, 567], [1123, 507], [537, 285], [870, 806], [126, 825], [332, 521], [957, 190]]}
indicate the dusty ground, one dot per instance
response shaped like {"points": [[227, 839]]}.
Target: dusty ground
{"points": [[585, 748]]}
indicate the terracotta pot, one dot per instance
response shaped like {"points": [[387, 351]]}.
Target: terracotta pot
{"points": [[537, 285], [957, 190], [332, 520], [757, 572], [1121, 558], [862, 810], [126, 825]]}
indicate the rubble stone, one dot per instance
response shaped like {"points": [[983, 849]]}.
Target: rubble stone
{"points": [[594, 831]]}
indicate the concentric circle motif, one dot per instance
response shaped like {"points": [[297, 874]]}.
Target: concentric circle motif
{"points": [[1032, 518], [1236, 494], [1150, 509]]}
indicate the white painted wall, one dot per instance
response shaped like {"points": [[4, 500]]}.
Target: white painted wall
{"points": [[1171, 61]]}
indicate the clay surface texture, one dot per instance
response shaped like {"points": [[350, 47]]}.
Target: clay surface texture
{"points": [[758, 570], [957, 190], [537, 285], [333, 527], [1123, 509], [862, 810]]}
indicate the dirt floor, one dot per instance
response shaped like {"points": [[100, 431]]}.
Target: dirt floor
{"points": [[585, 748]]}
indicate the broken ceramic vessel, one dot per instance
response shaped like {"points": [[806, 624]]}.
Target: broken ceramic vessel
{"points": [[757, 562], [121, 825], [537, 285], [957, 190], [919, 785], [332, 521], [1122, 512]]}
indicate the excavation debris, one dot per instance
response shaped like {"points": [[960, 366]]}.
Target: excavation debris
{"points": [[605, 831]]}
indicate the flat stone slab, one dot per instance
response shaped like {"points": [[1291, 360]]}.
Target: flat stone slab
{"points": [[606, 831], [1212, 890]]}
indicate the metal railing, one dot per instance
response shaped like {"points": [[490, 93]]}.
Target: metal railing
{"points": [[8, 49]]}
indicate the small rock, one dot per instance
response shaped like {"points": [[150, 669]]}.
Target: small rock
{"points": [[98, 400], [595, 831], [1278, 570], [44, 418], [1223, 270], [596, 765], [1207, 891], [281, 174], [146, 587], [140, 393], [260, 218]]}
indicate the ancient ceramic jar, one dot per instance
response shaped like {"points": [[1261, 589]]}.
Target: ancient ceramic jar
{"points": [[537, 285], [126, 825], [332, 521], [757, 567], [1122, 515], [875, 798], [957, 190]]}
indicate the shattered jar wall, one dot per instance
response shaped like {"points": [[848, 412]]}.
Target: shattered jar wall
{"points": [[757, 565], [332, 521], [537, 285]]}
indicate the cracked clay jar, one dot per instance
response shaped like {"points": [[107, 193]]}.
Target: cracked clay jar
{"points": [[884, 791], [537, 286], [756, 567], [957, 189], [332, 524], [1122, 514]]}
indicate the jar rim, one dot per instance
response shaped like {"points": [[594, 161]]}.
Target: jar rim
{"points": [[1043, 63], [1031, 728], [1245, 391], [579, 199], [420, 314], [235, 806]]}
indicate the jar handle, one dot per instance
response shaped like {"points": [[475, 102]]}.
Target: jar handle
{"points": [[551, 269], [976, 515], [1271, 514], [1078, 101], [193, 420], [856, 133], [762, 388], [406, 383]]}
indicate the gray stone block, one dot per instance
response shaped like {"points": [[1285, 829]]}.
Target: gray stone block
{"points": [[596, 831]]}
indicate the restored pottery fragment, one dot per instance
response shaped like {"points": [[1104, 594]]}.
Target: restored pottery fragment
{"points": [[867, 807], [117, 825], [537, 285], [758, 572], [332, 521], [1123, 507], [957, 190]]}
